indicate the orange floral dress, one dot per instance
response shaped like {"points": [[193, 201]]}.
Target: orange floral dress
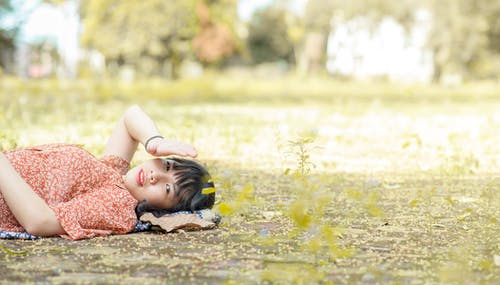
{"points": [[86, 194]]}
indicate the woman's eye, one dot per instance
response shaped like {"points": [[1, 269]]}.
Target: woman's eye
{"points": [[167, 166], [167, 188]]}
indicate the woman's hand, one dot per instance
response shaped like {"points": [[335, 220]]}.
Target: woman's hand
{"points": [[162, 147]]}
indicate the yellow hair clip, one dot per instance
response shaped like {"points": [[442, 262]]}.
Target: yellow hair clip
{"points": [[208, 190]]}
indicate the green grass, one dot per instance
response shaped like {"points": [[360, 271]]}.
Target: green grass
{"points": [[319, 180]]}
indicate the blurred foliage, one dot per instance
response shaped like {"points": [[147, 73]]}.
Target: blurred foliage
{"points": [[149, 35], [494, 27], [463, 38], [155, 36], [7, 34], [268, 39], [5, 9], [216, 39], [319, 16], [319, 13]]}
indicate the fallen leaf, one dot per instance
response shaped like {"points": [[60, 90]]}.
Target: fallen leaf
{"points": [[12, 252], [463, 199], [269, 214], [391, 186]]}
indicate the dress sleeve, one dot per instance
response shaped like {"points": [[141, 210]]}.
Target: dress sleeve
{"points": [[117, 163], [97, 213]]}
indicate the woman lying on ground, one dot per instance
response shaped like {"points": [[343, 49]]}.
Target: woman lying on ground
{"points": [[61, 189]]}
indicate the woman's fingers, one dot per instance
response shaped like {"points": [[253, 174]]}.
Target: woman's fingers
{"points": [[169, 147]]}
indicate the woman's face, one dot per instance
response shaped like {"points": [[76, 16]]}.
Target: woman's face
{"points": [[153, 181]]}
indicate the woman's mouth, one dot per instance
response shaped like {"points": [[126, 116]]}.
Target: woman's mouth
{"points": [[140, 177]]}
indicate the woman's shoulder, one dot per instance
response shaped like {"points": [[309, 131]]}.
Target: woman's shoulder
{"points": [[75, 150], [51, 149], [117, 163], [54, 146]]}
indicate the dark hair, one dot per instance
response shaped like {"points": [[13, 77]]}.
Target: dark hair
{"points": [[190, 179]]}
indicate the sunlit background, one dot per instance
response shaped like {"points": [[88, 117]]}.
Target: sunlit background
{"points": [[351, 142]]}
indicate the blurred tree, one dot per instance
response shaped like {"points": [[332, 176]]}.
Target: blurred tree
{"points": [[318, 22], [463, 36], [295, 31], [268, 38], [7, 37], [152, 36], [317, 17], [489, 65], [155, 36], [493, 19], [55, 2], [318, 14], [216, 38], [5, 9]]}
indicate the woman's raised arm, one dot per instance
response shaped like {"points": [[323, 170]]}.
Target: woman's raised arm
{"points": [[136, 126]]}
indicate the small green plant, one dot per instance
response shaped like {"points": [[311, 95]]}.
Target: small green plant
{"points": [[301, 148]]}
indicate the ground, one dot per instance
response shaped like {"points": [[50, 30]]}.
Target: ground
{"points": [[318, 181]]}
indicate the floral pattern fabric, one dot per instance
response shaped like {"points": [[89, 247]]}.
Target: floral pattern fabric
{"points": [[86, 194]]}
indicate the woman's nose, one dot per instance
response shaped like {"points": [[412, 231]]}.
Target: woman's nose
{"points": [[155, 176], [152, 177]]}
